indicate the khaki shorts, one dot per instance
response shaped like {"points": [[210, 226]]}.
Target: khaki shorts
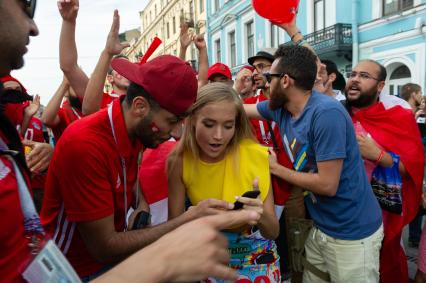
{"points": [[345, 260]]}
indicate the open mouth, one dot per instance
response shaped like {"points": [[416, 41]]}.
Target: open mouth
{"points": [[354, 90], [215, 146]]}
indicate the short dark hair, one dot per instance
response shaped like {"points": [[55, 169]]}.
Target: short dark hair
{"points": [[382, 73], [330, 66], [135, 90], [299, 63], [408, 89], [110, 69], [340, 82]]}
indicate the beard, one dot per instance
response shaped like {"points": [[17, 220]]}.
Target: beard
{"points": [[75, 102], [147, 136], [278, 99], [365, 99]]}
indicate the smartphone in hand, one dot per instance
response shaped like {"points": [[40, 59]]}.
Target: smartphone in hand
{"points": [[250, 194]]}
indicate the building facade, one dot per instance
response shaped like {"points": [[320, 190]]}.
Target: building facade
{"points": [[162, 18], [393, 32], [235, 32]]}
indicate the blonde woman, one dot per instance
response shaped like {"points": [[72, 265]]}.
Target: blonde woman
{"points": [[218, 159]]}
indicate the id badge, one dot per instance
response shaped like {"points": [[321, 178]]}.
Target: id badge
{"points": [[50, 265]]}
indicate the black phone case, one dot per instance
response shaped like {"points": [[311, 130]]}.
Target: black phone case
{"points": [[250, 194]]}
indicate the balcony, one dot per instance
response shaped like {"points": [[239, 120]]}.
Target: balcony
{"points": [[332, 41]]}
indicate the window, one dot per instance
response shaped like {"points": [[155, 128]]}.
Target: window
{"points": [[201, 2], [401, 72], [216, 5], [272, 35], [217, 49], [168, 30], [232, 49], [319, 14], [191, 9], [393, 6], [250, 38], [174, 25]]}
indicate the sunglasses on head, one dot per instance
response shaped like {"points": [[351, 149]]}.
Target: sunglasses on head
{"points": [[30, 6]]}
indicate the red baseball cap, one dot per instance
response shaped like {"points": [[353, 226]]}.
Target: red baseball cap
{"points": [[168, 79], [219, 68], [248, 67]]}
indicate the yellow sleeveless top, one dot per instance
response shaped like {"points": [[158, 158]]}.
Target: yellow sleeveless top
{"points": [[229, 177]]}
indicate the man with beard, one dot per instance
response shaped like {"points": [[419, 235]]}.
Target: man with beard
{"points": [[320, 141], [182, 249], [390, 142], [57, 116], [90, 186]]}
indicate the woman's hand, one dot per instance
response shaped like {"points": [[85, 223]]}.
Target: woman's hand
{"points": [[255, 204]]}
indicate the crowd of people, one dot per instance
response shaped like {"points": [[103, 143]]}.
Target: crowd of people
{"points": [[282, 171]]}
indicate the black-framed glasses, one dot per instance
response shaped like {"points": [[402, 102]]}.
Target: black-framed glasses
{"points": [[259, 67], [269, 76], [362, 76], [30, 6]]}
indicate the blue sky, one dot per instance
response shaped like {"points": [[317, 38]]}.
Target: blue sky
{"points": [[41, 73]]}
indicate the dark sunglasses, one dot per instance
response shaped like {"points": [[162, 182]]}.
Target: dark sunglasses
{"points": [[30, 6], [269, 76]]}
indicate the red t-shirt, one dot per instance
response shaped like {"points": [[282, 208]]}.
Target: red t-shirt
{"points": [[13, 245], [260, 127], [85, 182], [35, 133], [15, 113], [67, 115], [107, 99]]}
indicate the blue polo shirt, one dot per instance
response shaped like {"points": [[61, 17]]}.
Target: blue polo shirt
{"points": [[324, 131]]}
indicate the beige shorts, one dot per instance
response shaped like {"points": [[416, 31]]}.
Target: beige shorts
{"points": [[345, 260]]}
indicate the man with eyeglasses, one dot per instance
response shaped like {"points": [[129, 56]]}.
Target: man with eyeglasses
{"points": [[391, 146], [21, 236], [319, 139]]}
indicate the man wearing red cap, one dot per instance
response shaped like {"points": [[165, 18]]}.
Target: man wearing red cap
{"points": [[219, 72], [85, 209]]}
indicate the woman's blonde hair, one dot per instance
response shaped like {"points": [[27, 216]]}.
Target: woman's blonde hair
{"points": [[212, 93]]}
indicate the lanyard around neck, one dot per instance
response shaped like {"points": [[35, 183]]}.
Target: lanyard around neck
{"points": [[75, 113], [123, 166]]}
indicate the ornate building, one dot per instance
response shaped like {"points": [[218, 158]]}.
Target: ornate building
{"points": [[162, 18]]}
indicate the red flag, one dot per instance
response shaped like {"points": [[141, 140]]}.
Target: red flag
{"points": [[395, 129], [154, 45]]}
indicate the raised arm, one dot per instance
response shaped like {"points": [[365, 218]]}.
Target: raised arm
{"points": [[185, 40], [67, 47], [50, 114], [93, 95], [203, 60], [295, 34]]}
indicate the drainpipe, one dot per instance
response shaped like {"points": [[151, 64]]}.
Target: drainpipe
{"points": [[355, 45]]}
